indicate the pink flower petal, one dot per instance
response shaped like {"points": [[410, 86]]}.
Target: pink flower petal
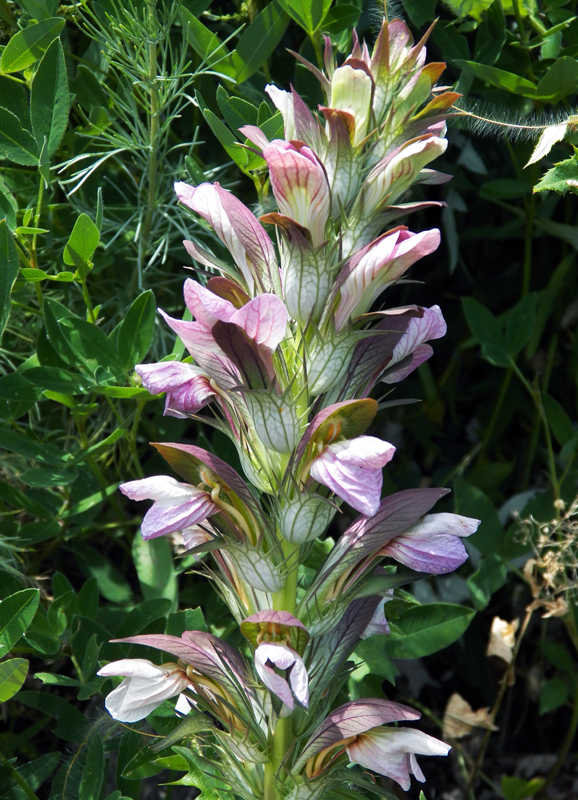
{"points": [[264, 319]]}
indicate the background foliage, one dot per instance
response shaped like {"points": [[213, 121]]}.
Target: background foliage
{"points": [[102, 106]]}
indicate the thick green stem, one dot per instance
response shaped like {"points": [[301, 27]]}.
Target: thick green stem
{"points": [[283, 600]]}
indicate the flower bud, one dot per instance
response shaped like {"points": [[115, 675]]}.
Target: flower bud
{"points": [[275, 420], [305, 518]]}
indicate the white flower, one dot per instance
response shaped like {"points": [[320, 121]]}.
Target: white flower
{"points": [[283, 657], [145, 687]]}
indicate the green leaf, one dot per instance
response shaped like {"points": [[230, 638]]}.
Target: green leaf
{"points": [[153, 560], [487, 331], [12, 675], [489, 577], [558, 420], [520, 324], [92, 500], [56, 380], [136, 330], [491, 35], [28, 45], [562, 178], [259, 40], [54, 312], [471, 8], [49, 100], [191, 619], [71, 725], [111, 583], [472, 502], [50, 679], [8, 272], [224, 135], [87, 600], [198, 775], [82, 243], [16, 614], [309, 14], [16, 388], [372, 658], [25, 446], [34, 773], [514, 788], [559, 656], [344, 17], [39, 9], [424, 630], [16, 143], [208, 45], [452, 44], [500, 78], [90, 343], [93, 772], [48, 476], [559, 81], [553, 694]]}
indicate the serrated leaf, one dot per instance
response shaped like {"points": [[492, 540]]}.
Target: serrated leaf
{"points": [[12, 675], [562, 178], [49, 100], [28, 45]]}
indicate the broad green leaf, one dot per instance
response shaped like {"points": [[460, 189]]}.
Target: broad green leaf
{"points": [[153, 560], [562, 178], [16, 143], [424, 630], [487, 331], [191, 619], [50, 679], [559, 656], [8, 272], [140, 617], [87, 600], [39, 9], [468, 8], [491, 35], [16, 614], [500, 78], [472, 502], [489, 577], [208, 45], [136, 330], [28, 45], [520, 324], [16, 388], [199, 776], [12, 675], [56, 380], [25, 446], [49, 100], [553, 694], [344, 17], [558, 420], [514, 788], [559, 81], [54, 312], [48, 476], [122, 392], [82, 243], [71, 725], [90, 343], [372, 658], [92, 500], [112, 585], [93, 772], [452, 44], [309, 14], [225, 137], [259, 40]]}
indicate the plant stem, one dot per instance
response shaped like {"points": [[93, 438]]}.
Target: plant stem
{"points": [[506, 681], [153, 134], [283, 600], [33, 256], [496, 413], [567, 744]]}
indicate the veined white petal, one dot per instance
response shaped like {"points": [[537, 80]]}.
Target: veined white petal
{"points": [[160, 488]]}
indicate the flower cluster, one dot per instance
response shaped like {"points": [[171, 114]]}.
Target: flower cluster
{"points": [[285, 350]]}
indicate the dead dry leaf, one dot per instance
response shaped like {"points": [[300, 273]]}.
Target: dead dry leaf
{"points": [[502, 639], [460, 719]]}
